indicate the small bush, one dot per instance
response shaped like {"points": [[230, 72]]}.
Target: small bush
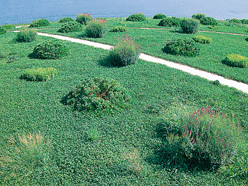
{"points": [[50, 50], [65, 20], [136, 17], [71, 26], [159, 16], [2, 30], [198, 16], [125, 52], [119, 29], [8, 26], [208, 21], [236, 60], [39, 23], [97, 94], [189, 26], [40, 74], [170, 22], [83, 18], [26, 35], [96, 28], [183, 47], [235, 21], [244, 21], [202, 39]]}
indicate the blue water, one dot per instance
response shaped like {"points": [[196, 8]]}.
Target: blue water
{"points": [[25, 11]]}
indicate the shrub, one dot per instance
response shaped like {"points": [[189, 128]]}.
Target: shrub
{"points": [[202, 39], [125, 52], [40, 74], [119, 29], [136, 17], [244, 21], [159, 16], [198, 16], [40, 23], [26, 35], [170, 22], [2, 30], [185, 47], [71, 26], [65, 20], [189, 26], [50, 50], [83, 18], [208, 21], [236, 60], [8, 26], [97, 94], [96, 28], [235, 21]]}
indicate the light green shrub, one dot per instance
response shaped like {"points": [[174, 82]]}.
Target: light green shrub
{"points": [[26, 35], [119, 29], [203, 39], [40, 74], [236, 60], [189, 26]]}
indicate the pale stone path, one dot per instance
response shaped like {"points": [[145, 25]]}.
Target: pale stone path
{"points": [[209, 76]]}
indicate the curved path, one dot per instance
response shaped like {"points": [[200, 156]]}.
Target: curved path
{"points": [[209, 76]]}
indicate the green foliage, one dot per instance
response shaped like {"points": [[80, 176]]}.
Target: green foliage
{"points": [[93, 135], [40, 74], [97, 94], [26, 35], [189, 26], [71, 26], [159, 16], [198, 16], [236, 60], [96, 28], [52, 49], [208, 21], [2, 30], [65, 20], [202, 39], [136, 17], [8, 26], [83, 18], [39, 23], [244, 21], [119, 29], [235, 21], [125, 53], [170, 22], [185, 47]]}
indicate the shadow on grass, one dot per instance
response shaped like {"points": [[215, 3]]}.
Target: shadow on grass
{"points": [[106, 62], [32, 56], [246, 39]]}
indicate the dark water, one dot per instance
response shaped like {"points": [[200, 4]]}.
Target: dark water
{"points": [[25, 11]]}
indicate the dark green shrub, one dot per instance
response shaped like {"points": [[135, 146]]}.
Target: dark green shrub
{"points": [[202, 39], [26, 35], [216, 83], [159, 16], [40, 23], [40, 74], [170, 22], [2, 30], [97, 94], [208, 21], [185, 47], [244, 21], [65, 20], [236, 60], [119, 29], [136, 17], [96, 28], [50, 50], [189, 26], [198, 16], [235, 21], [125, 52], [8, 26], [83, 18], [71, 26]]}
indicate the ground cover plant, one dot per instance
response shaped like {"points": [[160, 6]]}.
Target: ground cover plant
{"points": [[40, 74], [39, 23], [71, 26], [26, 36], [136, 17]]}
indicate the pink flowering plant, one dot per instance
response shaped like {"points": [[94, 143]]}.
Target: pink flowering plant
{"points": [[96, 28], [83, 18]]}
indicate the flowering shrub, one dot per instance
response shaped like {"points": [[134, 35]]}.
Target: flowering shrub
{"points": [[189, 26], [40, 74], [26, 35], [202, 39], [159, 16], [83, 18], [236, 60], [125, 52], [39, 23], [96, 28], [65, 20], [71, 26], [170, 22]]}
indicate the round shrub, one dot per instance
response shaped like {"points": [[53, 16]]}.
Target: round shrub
{"points": [[125, 52], [51, 49], [26, 35], [119, 29], [2, 30], [65, 20], [244, 21], [96, 28], [83, 18], [189, 26], [185, 47], [97, 94], [235, 21], [236, 60], [136, 17], [71, 26], [170, 22], [202, 39], [40, 23], [40, 74], [208, 21], [159, 16], [198, 16]]}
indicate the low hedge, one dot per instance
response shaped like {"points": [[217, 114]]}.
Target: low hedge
{"points": [[40, 74], [236, 60], [202, 39], [26, 36]]}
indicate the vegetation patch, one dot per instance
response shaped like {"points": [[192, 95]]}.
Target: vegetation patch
{"points": [[136, 17], [208, 21], [159, 16], [203, 39], [170, 22], [71, 26], [235, 21], [244, 21], [119, 29], [83, 18], [96, 28], [2, 30], [189, 26], [198, 16], [40, 74], [26, 36], [236, 60], [8, 26], [39, 23], [65, 20]]}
